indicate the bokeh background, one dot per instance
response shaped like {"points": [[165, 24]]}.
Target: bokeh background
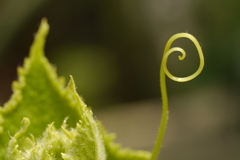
{"points": [[113, 49]]}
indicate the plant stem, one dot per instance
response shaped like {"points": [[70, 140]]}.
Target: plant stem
{"points": [[163, 72]]}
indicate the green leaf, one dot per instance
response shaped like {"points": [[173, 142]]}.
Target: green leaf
{"points": [[61, 123], [42, 97]]}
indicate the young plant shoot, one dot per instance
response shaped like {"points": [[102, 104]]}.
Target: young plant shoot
{"points": [[163, 72], [46, 119]]}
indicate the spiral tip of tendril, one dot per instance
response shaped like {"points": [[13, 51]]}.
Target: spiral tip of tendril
{"points": [[181, 58], [169, 50]]}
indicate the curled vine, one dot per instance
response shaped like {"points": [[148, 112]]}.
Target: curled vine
{"points": [[163, 72]]}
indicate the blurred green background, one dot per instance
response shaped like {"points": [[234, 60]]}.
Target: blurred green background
{"points": [[113, 50]]}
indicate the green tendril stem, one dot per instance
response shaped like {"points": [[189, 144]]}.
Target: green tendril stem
{"points": [[163, 72]]}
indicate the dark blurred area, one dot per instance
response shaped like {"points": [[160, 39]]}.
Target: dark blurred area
{"points": [[106, 46], [113, 49]]}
